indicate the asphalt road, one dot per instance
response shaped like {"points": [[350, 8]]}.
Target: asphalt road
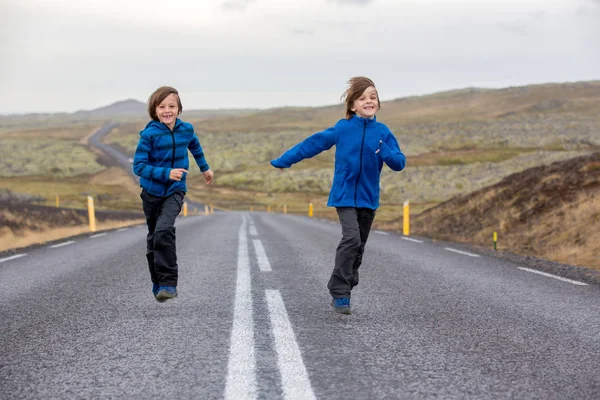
{"points": [[253, 320]]}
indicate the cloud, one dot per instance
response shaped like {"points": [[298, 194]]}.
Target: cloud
{"points": [[238, 5], [538, 15], [302, 31], [351, 2]]}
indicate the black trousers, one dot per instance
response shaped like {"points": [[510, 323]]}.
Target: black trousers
{"points": [[161, 213], [356, 225]]}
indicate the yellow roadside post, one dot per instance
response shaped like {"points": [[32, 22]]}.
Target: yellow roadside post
{"points": [[310, 209], [185, 209], [285, 208], [251, 208], [406, 219], [91, 213], [495, 239], [57, 201], [205, 209], [269, 208]]}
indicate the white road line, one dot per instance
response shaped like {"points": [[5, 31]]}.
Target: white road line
{"points": [[12, 257], [253, 230], [461, 252], [261, 256], [294, 378], [122, 229], [381, 232], [411, 240], [97, 235], [62, 244], [241, 375], [560, 278]]}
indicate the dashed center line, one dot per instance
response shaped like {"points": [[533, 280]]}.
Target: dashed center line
{"points": [[294, 378], [411, 240], [560, 278], [381, 232], [62, 244], [97, 235], [461, 252], [261, 256], [12, 257], [253, 230], [122, 229]]}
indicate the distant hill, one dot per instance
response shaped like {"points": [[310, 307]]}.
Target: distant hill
{"points": [[551, 211], [129, 109], [470, 104], [136, 109], [125, 107], [442, 107]]}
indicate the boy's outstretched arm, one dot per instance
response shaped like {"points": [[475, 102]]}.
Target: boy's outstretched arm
{"points": [[390, 152], [309, 147], [140, 162]]}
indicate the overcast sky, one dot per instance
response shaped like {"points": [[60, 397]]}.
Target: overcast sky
{"points": [[69, 55]]}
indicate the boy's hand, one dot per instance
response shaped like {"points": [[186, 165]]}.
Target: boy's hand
{"points": [[208, 176], [177, 173]]}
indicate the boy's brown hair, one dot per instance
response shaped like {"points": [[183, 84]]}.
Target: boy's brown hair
{"points": [[158, 96], [358, 85]]}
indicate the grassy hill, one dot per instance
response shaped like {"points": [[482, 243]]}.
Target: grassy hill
{"points": [[550, 211]]}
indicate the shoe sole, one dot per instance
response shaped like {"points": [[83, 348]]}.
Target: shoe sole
{"points": [[341, 310], [346, 311], [163, 296], [160, 301]]}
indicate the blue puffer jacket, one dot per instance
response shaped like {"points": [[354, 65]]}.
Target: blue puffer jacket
{"points": [[357, 166], [160, 150]]}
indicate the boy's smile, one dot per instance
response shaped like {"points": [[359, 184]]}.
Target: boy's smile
{"points": [[168, 110], [366, 105]]}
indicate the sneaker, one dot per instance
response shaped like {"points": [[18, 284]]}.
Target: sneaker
{"points": [[166, 293], [155, 289], [341, 305]]}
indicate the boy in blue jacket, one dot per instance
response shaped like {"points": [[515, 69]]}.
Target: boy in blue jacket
{"points": [[362, 145], [161, 161]]}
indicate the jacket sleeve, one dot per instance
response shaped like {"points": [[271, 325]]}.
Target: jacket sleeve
{"points": [[391, 154], [196, 150], [309, 147], [140, 161]]}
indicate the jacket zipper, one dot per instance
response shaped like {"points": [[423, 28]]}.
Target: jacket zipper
{"points": [[172, 160], [361, 161]]}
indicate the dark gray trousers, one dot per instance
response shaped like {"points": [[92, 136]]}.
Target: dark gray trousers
{"points": [[356, 225], [161, 213]]}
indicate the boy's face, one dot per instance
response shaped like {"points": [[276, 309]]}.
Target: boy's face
{"points": [[366, 105], [168, 110]]}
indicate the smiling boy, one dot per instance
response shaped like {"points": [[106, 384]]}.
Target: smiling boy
{"points": [[362, 146], [161, 161]]}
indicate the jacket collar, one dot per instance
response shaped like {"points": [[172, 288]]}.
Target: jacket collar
{"points": [[162, 127], [358, 120]]}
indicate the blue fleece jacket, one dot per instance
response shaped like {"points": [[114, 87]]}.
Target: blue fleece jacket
{"points": [[159, 150], [357, 166]]}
